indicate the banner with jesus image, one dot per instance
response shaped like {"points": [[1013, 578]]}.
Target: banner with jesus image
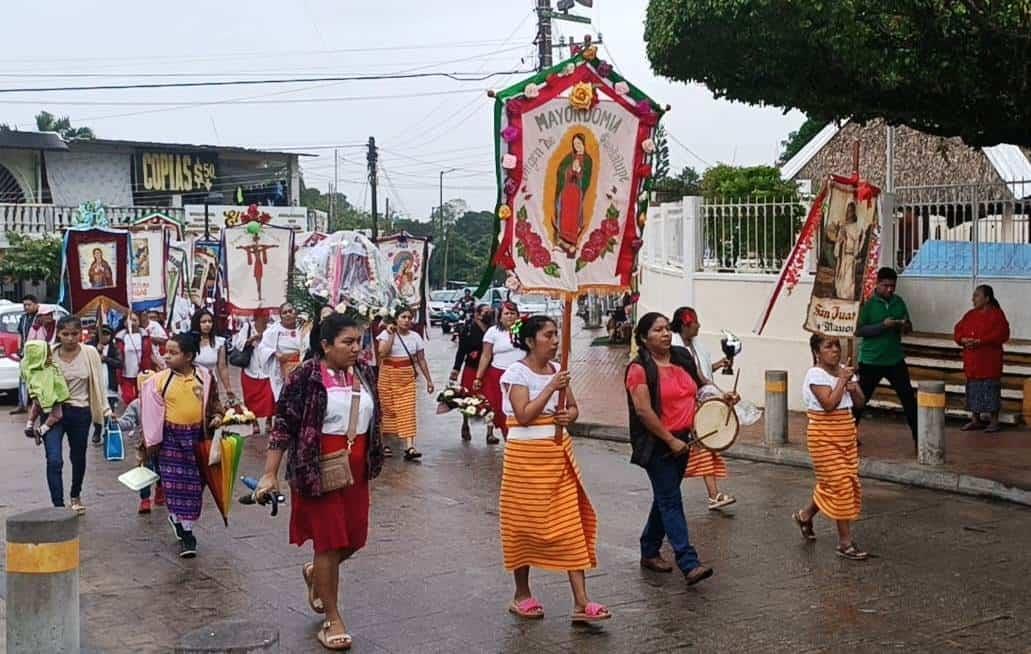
{"points": [[575, 151], [258, 262]]}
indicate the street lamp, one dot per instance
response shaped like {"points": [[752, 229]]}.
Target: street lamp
{"points": [[443, 232]]}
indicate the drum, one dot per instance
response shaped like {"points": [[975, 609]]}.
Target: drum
{"points": [[715, 425]]}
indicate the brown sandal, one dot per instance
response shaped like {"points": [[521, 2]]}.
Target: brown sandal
{"points": [[804, 526], [307, 571]]}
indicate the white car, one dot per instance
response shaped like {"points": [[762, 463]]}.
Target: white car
{"points": [[10, 341], [441, 302]]}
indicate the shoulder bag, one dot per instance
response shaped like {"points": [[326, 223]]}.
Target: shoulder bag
{"points": [[335, 468], [241, 357]]}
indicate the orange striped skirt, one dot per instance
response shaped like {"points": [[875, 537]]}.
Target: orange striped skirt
{"points": [[547, 520], [833, 447], [705, 463], [397, 390]]}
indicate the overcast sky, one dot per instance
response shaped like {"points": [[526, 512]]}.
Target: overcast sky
{"points": [[435, 123]]}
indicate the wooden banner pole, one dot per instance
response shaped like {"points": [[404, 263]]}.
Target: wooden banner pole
{"points": [[564, 346]]}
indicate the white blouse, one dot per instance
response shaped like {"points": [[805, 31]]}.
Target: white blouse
{"points": [[208, 356], [411, 340], [505, 353], [518, 374], [820, 377], [338, 411]]}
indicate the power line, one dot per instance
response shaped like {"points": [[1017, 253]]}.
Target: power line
{"points": [[687, 149], [458, 77], [201, 103]]}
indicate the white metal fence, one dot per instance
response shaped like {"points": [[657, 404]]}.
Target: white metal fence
{"points": [[751, 235]]}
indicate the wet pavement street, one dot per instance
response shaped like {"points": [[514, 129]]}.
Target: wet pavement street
{"points": [[950, 573]]}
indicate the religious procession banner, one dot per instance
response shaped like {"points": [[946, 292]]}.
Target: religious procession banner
{"points": [[148, 266], [96, 274], [574, 145], [842, 225], [157, 220], [409, 258], [258, 260], [176, 279]]}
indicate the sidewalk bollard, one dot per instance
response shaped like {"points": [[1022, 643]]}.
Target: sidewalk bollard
{"points": [[230, 636], [776, 412], [930, 423], [1026, 408], [593, 312], [43, 582]]}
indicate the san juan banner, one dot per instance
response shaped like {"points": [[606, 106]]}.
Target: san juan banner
{"points": [[574, 145], [148, 266], [95, 270], [842, 225], [258, 260]]}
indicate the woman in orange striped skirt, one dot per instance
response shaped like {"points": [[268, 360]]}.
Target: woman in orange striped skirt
{"points": [[400, 351], [547, 521], [830, 392]]}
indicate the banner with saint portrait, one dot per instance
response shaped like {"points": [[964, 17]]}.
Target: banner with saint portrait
{"points": [[258, 258], [409, 257], [847, 247], [95, 272], [574, 150], [148, 263]]}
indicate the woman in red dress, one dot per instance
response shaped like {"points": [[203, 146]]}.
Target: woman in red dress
{"points": [[982, 333], [574, 178], [312, 421]]}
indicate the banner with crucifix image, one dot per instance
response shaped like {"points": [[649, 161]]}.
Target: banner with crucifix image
{"points": [[258, 258]]}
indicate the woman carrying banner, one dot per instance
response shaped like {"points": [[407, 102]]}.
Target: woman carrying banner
{"points": [[313, 420], [662, 385], [830, 392], [86, 405], [178, 408], [547, 520], [401, 354], [212, 352], [498, 354], [703, 463], [254, 378], [470, 346], [981, 333]]}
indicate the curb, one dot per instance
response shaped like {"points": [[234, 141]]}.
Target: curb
{"points": [[910, 474]]}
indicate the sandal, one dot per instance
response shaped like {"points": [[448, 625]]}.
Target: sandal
{"points": [[339, 642], [307, 571], [593, 612], [77, 507], [412, 454], [529, 609], [852, 552], [973, 425], [492, 439], [805, 526]]}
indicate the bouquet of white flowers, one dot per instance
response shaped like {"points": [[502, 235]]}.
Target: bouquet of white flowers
{"points": [[471, 405]]}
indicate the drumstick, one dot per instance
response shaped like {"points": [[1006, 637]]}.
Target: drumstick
{"points": [[737, 377]]}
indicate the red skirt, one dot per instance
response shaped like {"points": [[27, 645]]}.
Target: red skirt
{"points": [[492, 391], [128, 389], [468, 377], [257, 396], [338, 519]]}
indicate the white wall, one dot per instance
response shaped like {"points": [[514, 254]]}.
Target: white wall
{"points": [[936, 304]]}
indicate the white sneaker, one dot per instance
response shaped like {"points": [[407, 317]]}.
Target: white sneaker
{"points": [[721, 500]]}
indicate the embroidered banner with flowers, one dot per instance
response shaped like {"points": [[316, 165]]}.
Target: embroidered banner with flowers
{"points": [[574, 149]]}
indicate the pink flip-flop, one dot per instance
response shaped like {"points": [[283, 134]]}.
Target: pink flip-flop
{"points": [[529, 609], [593, 612]]}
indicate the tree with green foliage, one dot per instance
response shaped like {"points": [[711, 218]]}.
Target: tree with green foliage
{"points": [[744, 182], [32, 258], [950, 68], [48, 122], [799, 138]]}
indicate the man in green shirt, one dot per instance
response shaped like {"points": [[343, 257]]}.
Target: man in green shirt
{"points": [[882, 322]]}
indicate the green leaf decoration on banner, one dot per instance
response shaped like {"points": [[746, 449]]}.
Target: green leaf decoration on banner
{"points": [[552, 270], [521, 214], [521, 250], [580, 265], [612, 212], [611, 246]]}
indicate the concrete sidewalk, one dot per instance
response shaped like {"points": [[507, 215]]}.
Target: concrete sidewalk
{"points": [[987, 465]]}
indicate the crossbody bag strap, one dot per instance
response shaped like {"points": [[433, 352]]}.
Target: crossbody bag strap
{"points": [[415, 369], [356, 402]]}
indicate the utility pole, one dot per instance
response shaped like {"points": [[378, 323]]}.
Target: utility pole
{"points": [[544, 45], [443, 227], [333, 191], [386, 215], [372, 157]]}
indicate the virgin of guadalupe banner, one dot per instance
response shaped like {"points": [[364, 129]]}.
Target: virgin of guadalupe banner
{"points": [[408, 257], [573, 149], [847, 237], [148, 265], [258, 261], [95, 271]]}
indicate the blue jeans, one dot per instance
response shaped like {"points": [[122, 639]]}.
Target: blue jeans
{"points": [[75, 423], [666, 518]]}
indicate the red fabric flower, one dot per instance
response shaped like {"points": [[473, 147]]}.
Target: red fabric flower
{"points": [[533, 240], [589, 253], [597, 239], [610, 227], [522, 228], [540, 257]]}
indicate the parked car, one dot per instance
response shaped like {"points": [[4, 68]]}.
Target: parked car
{"points": [[442, 302], [10, 341]]}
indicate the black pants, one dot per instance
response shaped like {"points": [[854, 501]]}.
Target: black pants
{"points": [[898, 376]]}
